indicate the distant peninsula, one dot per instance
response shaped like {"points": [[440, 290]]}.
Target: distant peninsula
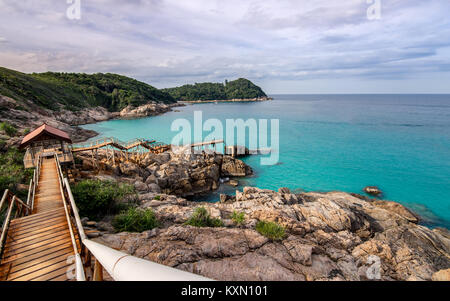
{"points": [[67, 100], [238, 90]]}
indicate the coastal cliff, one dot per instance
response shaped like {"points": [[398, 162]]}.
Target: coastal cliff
{"points": [[330, 236]]}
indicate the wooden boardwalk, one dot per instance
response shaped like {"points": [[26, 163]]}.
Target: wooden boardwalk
{"points": [[39, 246], [117, 144]]}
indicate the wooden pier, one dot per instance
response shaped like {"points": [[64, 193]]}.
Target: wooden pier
{"points": [[43, 238]]}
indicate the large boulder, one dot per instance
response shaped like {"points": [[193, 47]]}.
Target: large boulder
{"points": [[130, 169], [140, 186], [232, 167], [154, 188]]}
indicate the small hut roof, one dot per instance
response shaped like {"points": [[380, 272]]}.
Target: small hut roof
{"points": [[48, 130]]}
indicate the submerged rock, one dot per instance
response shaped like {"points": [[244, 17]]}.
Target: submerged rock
{"points": [[373, 190], [233, 183]]}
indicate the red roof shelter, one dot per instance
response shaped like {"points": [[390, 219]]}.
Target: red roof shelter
{"points": [[45, 132], [46, 141]]}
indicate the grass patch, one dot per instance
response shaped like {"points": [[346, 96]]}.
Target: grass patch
{"points": [[9, 129], [238, 218], [96, 198], [201, 218], [271, 230], [158, 198], [135, 220]]}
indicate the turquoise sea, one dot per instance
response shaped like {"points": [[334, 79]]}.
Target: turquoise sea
{"points": [[400, 143]]}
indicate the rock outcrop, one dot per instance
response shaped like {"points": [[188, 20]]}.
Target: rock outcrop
{"points": [[331, 236], [151, 109], [373, 190], [234, 168], [172, 173]]}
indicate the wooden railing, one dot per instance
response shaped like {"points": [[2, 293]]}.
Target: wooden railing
{"points": [[97, 143], [14, 204], [79, 270], [123, 146], [32, 155], [94, 258], [34, 182]]}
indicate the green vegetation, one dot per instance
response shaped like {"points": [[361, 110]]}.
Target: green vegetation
{"points": [[158, 197], [271, 230], [238, 89], [135, 220], [201, 218], [12, 172], [238, 218], [96, 198], [74, 91], [9, 129]]}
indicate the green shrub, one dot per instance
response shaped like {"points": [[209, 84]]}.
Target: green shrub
{"points": [[201, 218], [271, 230], [158, 197], [135, 220], [97, 198], [12, 172], [238, 218], [9, 129], [26, 131]]}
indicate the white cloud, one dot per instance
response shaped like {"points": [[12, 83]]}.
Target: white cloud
{"points": [[168, 42]]}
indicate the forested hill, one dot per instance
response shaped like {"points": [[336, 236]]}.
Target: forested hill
{"points": [[238, 89], [76, 90]]}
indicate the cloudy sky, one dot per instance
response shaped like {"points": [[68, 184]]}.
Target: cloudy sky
{"points": [[286, 46]]}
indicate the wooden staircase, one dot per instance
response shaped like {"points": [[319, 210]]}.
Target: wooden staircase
{"points": [[39, 246], [43, 238]]}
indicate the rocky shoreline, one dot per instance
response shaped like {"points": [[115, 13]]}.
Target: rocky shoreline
{"points": [[330, 236], [228, 100], [186, 175], [33, 116]]}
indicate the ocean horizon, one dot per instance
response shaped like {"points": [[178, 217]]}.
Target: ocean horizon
{"points": [[328, 142]]}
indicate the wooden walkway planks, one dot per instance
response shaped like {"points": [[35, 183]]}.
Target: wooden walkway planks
{"points": [[39, 246], [118, 145]]}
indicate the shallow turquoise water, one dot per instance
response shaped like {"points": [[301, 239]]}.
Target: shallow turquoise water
{"points": [[400, 143]]}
